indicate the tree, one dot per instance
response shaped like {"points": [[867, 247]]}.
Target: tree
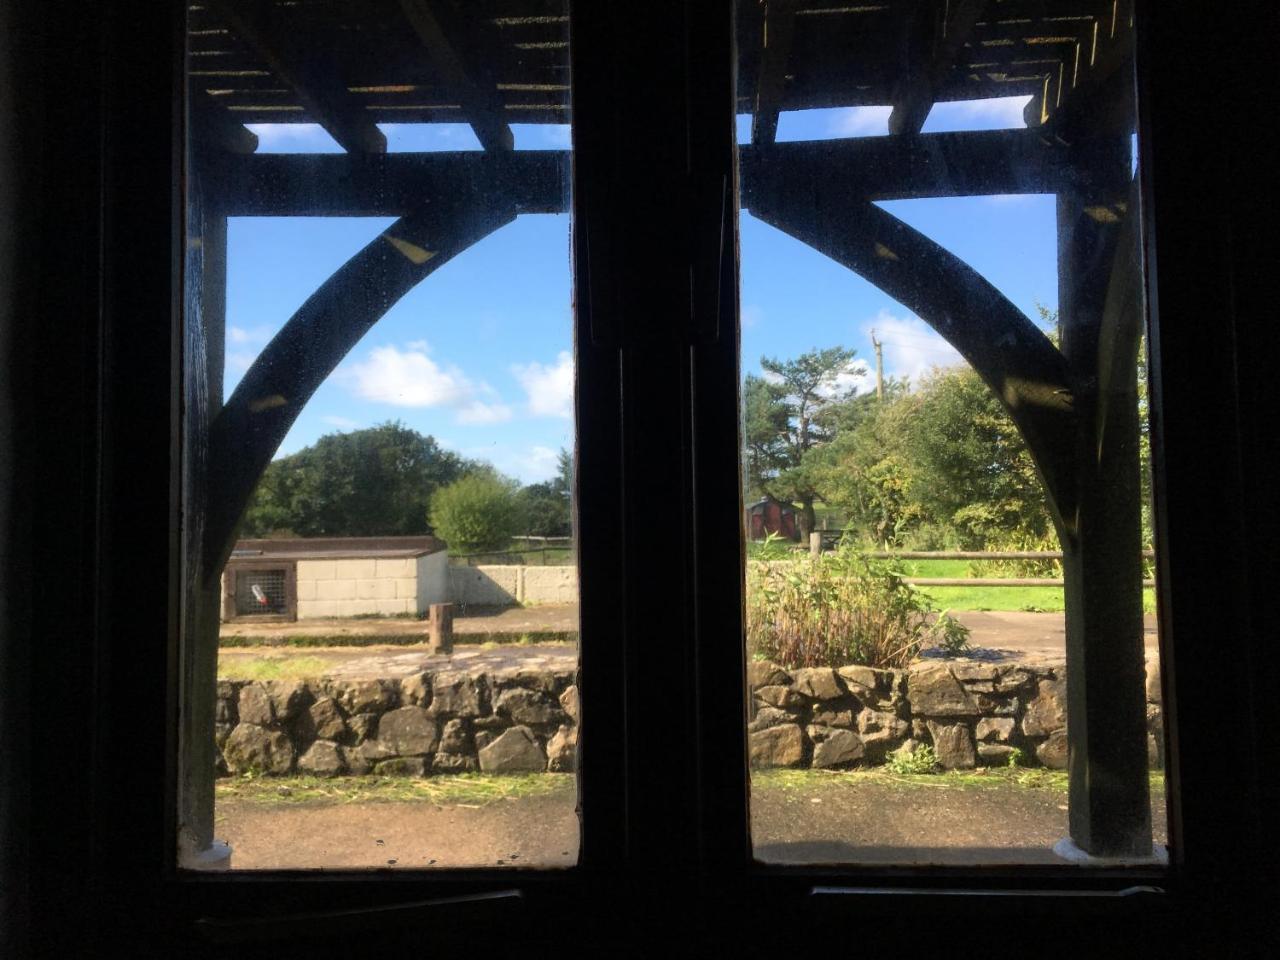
{"points": [[478, 512], [789, 414], [546, 508], [373, 482]]}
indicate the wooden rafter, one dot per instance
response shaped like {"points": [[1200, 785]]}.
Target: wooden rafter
{"points": [[213, 125], [481, 104], [319, 89], [940, 39], [777, 30]]}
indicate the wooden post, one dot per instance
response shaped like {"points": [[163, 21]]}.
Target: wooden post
{"points": [[815, 543], [1099, 292], [441, 627]]}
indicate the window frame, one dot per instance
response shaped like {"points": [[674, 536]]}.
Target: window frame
{"points": [[122, 412]]}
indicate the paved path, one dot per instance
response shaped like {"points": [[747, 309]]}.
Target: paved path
{"points": [[998, 635]]}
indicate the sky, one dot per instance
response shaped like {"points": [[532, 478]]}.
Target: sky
{"points": [[479, 355]]}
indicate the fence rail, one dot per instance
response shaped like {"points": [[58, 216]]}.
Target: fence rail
{"points": [[831, 536]]}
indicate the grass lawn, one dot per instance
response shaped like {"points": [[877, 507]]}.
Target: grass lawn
{"points": [[462, 789], [271, 668], [981, 778], [1032, 599]]}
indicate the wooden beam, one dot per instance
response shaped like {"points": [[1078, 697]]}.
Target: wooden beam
{"points": [[942, 39], [481, 105], [393, 184], [1009, 352], [876, 168], [321, 91], [255, 418], [771, 79], [212, 125]]}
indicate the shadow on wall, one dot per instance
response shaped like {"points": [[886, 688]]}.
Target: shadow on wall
{"points": [[503, 585]]}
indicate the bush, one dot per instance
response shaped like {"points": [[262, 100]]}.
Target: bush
{"points": [[479, 512], [906, 762], [837, 609]]}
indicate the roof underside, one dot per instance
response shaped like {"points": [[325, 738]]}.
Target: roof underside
{"points": [[350, 65]]}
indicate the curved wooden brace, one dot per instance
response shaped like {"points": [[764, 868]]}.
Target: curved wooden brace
{"points": [[255, 419], [1011, 354]]}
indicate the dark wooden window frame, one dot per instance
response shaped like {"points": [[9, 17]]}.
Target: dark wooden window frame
{"points": [[91, 828]]}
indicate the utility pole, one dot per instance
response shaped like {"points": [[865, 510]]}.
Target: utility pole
{"points": [[879, 366]]}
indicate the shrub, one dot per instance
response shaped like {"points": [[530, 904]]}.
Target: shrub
{"points": [[840, 608], [478, 512], [920, 760]]}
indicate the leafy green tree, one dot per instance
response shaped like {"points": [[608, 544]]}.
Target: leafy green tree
{"points": [[789, 414], [481, 511], [546, 508], [373, 482]]}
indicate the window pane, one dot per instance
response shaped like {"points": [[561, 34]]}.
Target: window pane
{"points": [[380, 619], [946, 455]]}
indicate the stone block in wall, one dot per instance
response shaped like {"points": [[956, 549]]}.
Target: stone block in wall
{"points": [[1011, 679], [365, 696], [456, 737], [254, 749], [363, 726], [994, 754], [376, 589], [323, 759], [765, 673], [997, 704], [933, 691], [836, 713], [317, 570], [569, 702], [1153, 680], [255, 705], [459, 694], [335, 589], [514, 751], [969, 672], [373, 751], [401, 767], [952, 744], [289, 698], [1155, 736], [777, 747], [364, 568], [833, 747], [415, 691], [224, 710], [817, 683], [1047, 713], [994, 729], [408, 732], [780, 697], [562, 750], [767, 717], [313, 609], [327, 721], [395, 568], [1053, 751], [453, 763], [220, 733], [529, 707]]}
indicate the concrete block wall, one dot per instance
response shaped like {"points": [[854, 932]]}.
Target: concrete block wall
{"points": [[354, 587], [495, 585]]}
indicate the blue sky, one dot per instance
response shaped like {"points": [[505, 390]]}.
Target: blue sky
{"points": [[479, 355]]}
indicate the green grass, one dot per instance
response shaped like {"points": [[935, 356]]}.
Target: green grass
{"points": [[1034, 599], [463, 789], [274, 668], [983, 778], [325, 640]]}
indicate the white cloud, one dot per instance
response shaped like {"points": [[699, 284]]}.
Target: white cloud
{"points": [[293, 138], [342, 423], [239, 361], [421, 346], [855, 377], [549, 388], [860, 122], [241, 335], [478, 412], [911, 347], [993, 113], [410, 378]]}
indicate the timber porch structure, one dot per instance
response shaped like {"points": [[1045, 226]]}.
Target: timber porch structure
{"points": [[351, 66]]}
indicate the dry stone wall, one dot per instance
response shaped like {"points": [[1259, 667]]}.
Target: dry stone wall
{"points": [[971, 713]]}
